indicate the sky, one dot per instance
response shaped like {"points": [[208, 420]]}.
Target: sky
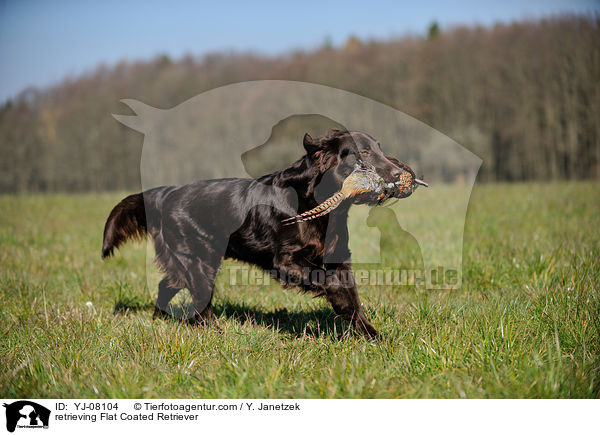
{"points": [[42, 42]]}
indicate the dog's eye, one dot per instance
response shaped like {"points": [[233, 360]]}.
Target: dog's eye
{"points": [[364, 153]]}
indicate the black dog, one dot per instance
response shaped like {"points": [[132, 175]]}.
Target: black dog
{"points": [[194, 226]]}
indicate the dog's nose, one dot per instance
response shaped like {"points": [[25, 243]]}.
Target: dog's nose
{"points": [[396, 172]]}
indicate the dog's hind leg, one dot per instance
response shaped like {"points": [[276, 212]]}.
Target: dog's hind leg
{"points": [[166, 292], [200, 282]]}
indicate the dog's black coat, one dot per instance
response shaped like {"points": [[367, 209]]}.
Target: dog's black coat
{"points": [[194, 226]]}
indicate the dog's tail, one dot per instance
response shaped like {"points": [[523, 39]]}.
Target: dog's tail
{"points": [[127, 220]]}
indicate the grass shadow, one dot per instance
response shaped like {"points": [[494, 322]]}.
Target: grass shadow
{"points": [[319, 322]]}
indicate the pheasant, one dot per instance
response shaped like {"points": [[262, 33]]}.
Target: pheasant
{"points": [[363, 185]]}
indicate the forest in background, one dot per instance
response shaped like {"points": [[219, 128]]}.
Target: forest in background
{"points": [[523, 96]]}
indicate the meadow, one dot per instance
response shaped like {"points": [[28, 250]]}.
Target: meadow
{"points": [[525, 323]]}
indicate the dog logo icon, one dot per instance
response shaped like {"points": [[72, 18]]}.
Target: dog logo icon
{"points": [[26, 414]]}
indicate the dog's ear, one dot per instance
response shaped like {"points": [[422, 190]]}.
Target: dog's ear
{"points": [[320, 152], [310, 145], [333, 132]]}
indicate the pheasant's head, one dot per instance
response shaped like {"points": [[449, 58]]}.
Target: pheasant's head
{"points": [[407, 181]]}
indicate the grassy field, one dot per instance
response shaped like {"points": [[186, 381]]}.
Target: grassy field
{"points": [[526, 322]]}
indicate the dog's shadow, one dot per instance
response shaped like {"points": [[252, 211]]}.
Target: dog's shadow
{"points": [[319, 322]]}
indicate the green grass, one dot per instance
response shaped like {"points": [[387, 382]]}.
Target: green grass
{"points": [[526, 322]]}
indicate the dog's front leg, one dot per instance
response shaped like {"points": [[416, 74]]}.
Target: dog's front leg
{"points": [[340, 290], [341, 293]]}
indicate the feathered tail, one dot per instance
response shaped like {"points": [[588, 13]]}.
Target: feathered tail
{"points": [[127, 220]]}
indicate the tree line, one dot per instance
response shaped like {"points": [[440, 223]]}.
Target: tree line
{"points": [[523, 96]]}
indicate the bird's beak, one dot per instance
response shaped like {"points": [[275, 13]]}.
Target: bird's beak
{"points": [[421, 182]]}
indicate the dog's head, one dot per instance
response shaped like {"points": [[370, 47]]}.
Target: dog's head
{"points": [[336, 154]]}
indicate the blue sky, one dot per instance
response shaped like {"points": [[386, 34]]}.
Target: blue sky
{"points": [[41, 42]]}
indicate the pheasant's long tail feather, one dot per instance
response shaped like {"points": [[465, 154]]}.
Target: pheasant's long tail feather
{"points": [[314, 216], [325, 207]]}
